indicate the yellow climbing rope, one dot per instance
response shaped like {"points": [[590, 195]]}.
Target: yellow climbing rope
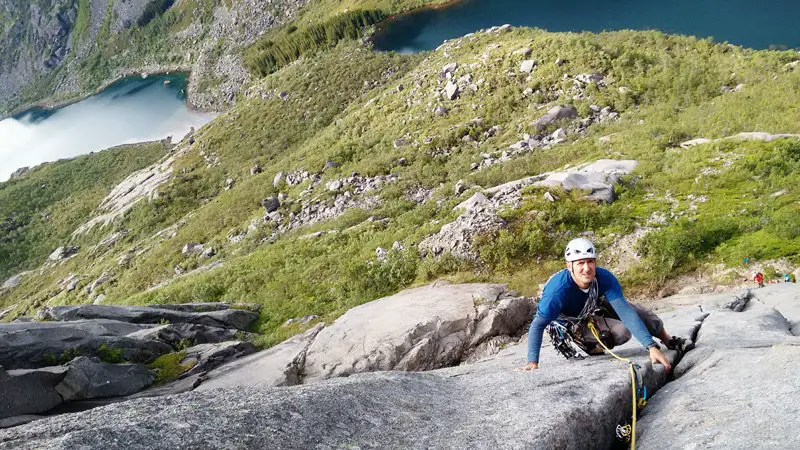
{"points": [[631, 365]]}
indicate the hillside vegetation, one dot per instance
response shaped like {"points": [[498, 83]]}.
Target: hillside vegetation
{"points": [[207, 37], [378, 114], [39, 212]]}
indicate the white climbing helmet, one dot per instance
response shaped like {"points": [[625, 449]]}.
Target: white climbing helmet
{"points": [[580, 248]]}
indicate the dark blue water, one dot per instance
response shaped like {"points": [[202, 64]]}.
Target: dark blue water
{"points": [[750, 23], [131, 110]]}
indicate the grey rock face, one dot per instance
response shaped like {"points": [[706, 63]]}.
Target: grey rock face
{"points": [[485, 406], [33, 345], [19, 172], [738, 389], [235, 318], [91, 379], [29, 391], [140, 185], [206, 357], [174, 334], [417, 329], [277, 366]]}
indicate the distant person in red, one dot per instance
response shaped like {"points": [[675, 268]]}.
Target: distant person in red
{"points": [[759, 278]]}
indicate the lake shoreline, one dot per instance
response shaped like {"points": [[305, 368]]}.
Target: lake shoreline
{"points": [[430, 7], [424, 28], [130, 73]]}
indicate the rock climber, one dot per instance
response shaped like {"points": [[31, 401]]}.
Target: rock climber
{"points": [[584, 292]]}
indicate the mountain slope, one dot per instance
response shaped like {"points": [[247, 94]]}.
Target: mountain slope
{"points": [[370, 147]]}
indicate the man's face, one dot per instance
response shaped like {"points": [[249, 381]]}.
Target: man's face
{"points": [[583, 271]]}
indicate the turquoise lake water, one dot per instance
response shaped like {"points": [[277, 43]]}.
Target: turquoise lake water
{"points": [[756, 24], [130, 110]]}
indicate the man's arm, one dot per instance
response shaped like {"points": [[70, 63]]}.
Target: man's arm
{"points": [[535, 333], [633, 322], [628, 315]]}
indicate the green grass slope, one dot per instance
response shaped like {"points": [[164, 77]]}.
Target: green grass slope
{"points": [[40, 210], [720, 202]]}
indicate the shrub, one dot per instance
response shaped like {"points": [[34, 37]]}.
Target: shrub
{"points": [[168, 367], [110, 355], [785, 223], [684, 243]]}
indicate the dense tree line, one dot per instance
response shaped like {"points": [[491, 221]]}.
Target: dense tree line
{"points": [[268, 55]]}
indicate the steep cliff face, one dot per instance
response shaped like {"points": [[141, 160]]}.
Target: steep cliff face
{"points": [[54, 50], [36, 37]]}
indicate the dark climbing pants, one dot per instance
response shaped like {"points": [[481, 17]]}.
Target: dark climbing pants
{"points": [[618, 330]]}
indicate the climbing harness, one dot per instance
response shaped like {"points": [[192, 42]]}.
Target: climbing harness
{"points": [[565, 330], [627, 432]]}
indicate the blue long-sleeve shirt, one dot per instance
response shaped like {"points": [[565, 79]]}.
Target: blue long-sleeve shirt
{"points": [[562, 296]]}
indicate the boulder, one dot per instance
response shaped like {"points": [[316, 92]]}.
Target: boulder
{"points": [[29, 391], [554, 114], [477, 201], [330, 165], [301, 320], [693, 142], [102, 279], [87, 378], [459, 188], [527, 66], [417, 329], [278, 181], [280, 365], [227, 318], [597, 178], [451, 90], [271, 204], [587, 78], [63, 253], [448, 69], [32, 345]]}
